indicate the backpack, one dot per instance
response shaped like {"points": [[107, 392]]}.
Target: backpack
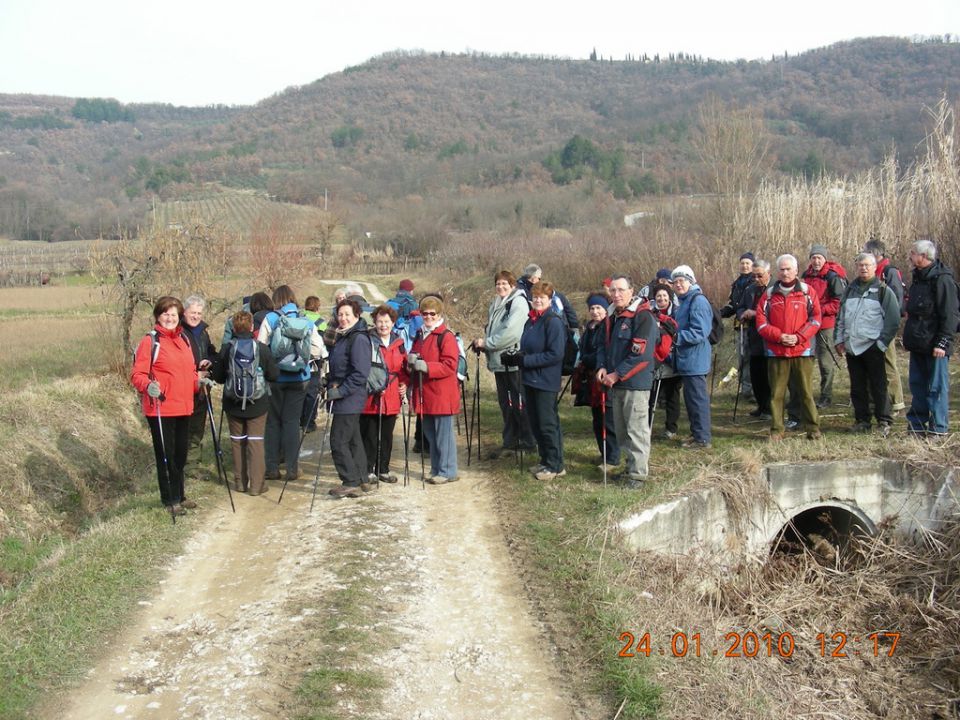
{"points": [[716, 324], [463, 372], [571, 351], [379, 377], [290, 343], [667, 327], [245, 382], [407, 328]]}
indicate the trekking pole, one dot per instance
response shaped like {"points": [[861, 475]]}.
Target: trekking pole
{"points": [[563, 390], [313, 414], [603, 432], [468, 425], [832, 354], [377, 465], [221, 471], [736, 402], [163, 450], [405, 419], [423, 435], [519, 415], [476, 405], [656, 396], [316, 478]]}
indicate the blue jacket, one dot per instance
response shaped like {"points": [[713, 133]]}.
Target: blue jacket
{"points": [[691, 348], [631, 336], [349, 368], [543, 343]]}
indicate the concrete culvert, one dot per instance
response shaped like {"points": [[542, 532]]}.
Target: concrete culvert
{"points": [[825, 531]]}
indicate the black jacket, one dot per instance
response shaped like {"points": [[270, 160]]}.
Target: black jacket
{"points": [[931, 310], [748, 301], [203, 349]]}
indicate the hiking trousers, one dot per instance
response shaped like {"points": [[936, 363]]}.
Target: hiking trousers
{"points": [[282, 434], [246, 439]]}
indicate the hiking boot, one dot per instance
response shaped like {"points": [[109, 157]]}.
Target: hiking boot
{"points": [[609, 468], [309, 429], [537, 468], [342, 491], [633, 482], [696, 445], [824, 403], [860, 427], [562, 473], [495, 454], [546, 475], [814, 435], [388, 478], [293, 477], [189, 504], [437, 480], [669, 434], [271, 475], [883, 429], [366, 487], [177, 509], [792, 424], [371, 477], [756, 413]]}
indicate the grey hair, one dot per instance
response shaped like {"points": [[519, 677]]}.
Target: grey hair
{"points": [[195, 300], [623, 277], [791, 258], [762, 264], [532, 269], [927, 248], [865, 256]]}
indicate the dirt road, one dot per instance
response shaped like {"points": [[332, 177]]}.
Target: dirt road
{"points": [[223, 637]]}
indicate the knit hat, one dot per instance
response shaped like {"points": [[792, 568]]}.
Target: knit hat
{"points": [[432, 302], [598, 299], [406, 285], [664, 274], [748, 256], [819, 250], [684, 271]]}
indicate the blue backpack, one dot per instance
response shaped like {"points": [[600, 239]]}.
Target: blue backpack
{"points": [[290, 343], [245, 381], [407, 328]]}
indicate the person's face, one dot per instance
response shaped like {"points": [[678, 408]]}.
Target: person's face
{"points": [[664, 281], [817, 262], [534, 279], [339, 297], [786, 272], [681, 286], [503, 288], [761, 277], [431, 318], [746, 266], [919, 260], [170, 318], [345, 317], [193, 315], [662, 299], [621, 293], [539, 302], [384, 325], [867, 268], [597, 313]]}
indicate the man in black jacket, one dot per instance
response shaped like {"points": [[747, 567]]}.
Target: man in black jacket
{"points": [[738, 288], [928, 335]]}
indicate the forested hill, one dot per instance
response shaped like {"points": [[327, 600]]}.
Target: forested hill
{"points": [[410, 123]]}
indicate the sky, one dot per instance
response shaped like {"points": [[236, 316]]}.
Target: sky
{"points": [[207, 52]]}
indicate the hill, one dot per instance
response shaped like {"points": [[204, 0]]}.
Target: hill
{"points": [[412, 125]]}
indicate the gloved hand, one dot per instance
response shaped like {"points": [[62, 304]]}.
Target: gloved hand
{"points": [[420, 365], [153, 389], [669, 328], [207, 382], [512, 359], [334, 393], [412, 360]]}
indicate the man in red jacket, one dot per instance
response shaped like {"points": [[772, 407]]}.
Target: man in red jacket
{"points": [[787, 318], [828, 281]]}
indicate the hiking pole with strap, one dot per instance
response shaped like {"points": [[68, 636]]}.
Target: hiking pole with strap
{"points": [[519, 406], [603, 432], [377, 465], [736, 402], [476, 406], [221, 471], [656, 396], [563, 390], [467, 424], [163, 450], [405, 419], [313, 414], [832, 354], [316, 478], [423, 433]]}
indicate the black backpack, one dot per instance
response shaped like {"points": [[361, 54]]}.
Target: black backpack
{"points": [[245, 381], [716, 324]]}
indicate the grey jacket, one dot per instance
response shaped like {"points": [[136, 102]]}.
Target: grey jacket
{"points": [[869, 313], [504, 328]]}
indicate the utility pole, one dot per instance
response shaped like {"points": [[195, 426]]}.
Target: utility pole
{"points": [[324, 199]]}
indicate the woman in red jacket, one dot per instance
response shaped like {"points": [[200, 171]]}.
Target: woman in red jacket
{"points": [[164, 372], [432, 365], [379, 416]]}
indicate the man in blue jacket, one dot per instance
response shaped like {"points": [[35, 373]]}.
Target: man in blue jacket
{"points": [[625, 365], [692, 353]]}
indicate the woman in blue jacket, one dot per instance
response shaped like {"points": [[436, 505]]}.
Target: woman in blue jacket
{"points": [[540, 361], [692, 353]]}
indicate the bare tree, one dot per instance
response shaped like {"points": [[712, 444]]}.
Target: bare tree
{"points": [[276, 251], [733, 144]]}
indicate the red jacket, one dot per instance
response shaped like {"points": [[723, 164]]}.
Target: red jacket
{"points": [[174, 368], [441, 389], [395, 358], [828, 285], [797, 313]]}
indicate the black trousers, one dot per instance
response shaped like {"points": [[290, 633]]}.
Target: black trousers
{"points": [[868, 377], [170, 450], [545, 421], [761, 382], [282, 435], [368, 430], [668, 398], [346, 449], [308, 417], [516, 421]]}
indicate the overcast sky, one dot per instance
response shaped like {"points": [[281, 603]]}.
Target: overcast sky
{"points": [[203, 52]]}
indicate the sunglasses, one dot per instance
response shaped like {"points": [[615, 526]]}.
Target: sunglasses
{"points": [[428, 313]]}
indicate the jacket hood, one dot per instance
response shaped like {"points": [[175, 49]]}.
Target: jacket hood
{"points": [[933, 271]]}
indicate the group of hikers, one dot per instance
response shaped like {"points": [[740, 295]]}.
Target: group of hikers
{"points": [[643, 347]]}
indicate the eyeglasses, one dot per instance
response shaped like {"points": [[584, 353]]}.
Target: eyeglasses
{"points": [[618, 290], [428, 313]]}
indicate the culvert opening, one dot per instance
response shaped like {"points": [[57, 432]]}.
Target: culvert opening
{"points": [[828, 532]]}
